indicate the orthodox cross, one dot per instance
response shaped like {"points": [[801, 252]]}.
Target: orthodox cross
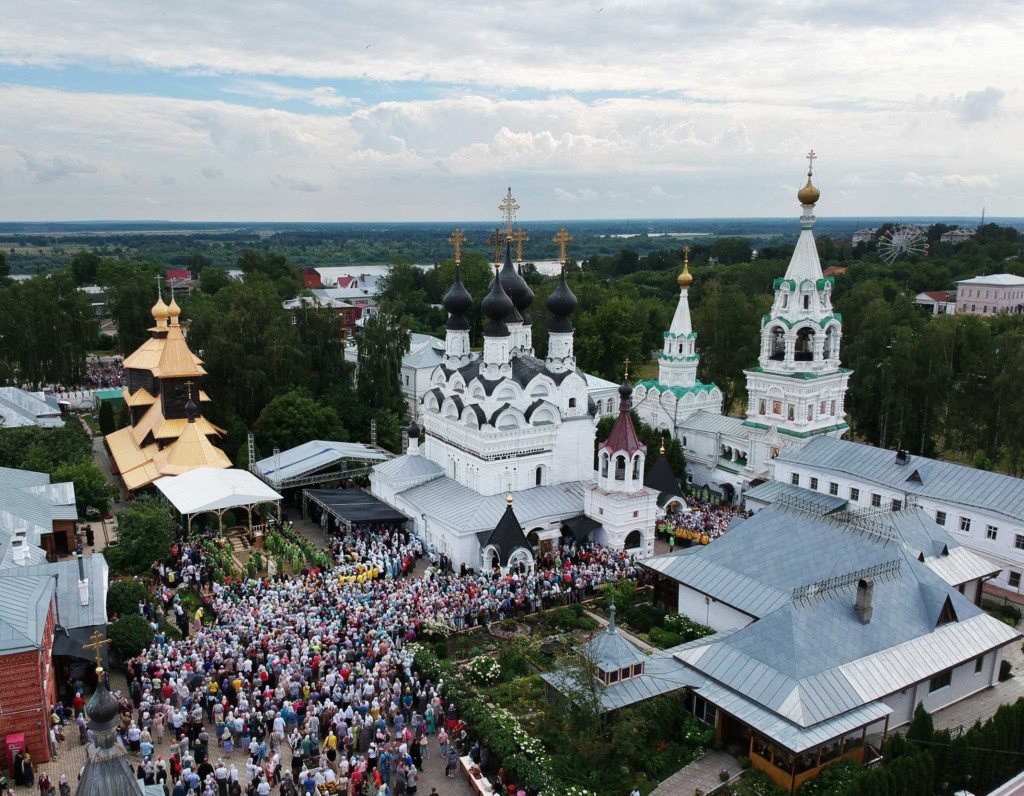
{"points": [[562, 238], [811, 157], [686, 255], [188, 384], [159, 290], [456, 240], [627, 368], [98, 643], [520, 237], [496, 240], [508, 209]]}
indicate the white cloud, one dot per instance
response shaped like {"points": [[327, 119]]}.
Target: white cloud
{"points": [[48, 167], [979, 106], [971, 182], [211, 173], [318, 96], [293, 184]]}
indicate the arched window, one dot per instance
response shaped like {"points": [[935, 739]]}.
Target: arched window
{"points": [[778, 344], [804, 351], [807, 302], [611, 405], [540, 476], [636, 467], [604, 465], [633, 540], [572, 403], [620, 468], [830, 341]]}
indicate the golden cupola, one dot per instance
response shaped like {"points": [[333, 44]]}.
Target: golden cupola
{"points": [[685, 279], [809, 194]]}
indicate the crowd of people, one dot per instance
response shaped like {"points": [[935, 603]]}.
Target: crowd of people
{"points": [[103, 372], [701, 522], [302, 684]]}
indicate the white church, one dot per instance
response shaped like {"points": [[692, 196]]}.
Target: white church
{"points": [[796, 390], [507, 462]]}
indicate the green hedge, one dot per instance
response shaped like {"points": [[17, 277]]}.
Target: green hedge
{"points": [[123, 597], [129, 636]]}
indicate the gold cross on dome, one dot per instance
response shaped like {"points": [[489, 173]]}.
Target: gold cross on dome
{"points": [[627, 368], [495, 240], [811, 157], [508, 209], [686, 255], [562, 238], [98, 643], [456, 240], [159, 289], [520, 237]]}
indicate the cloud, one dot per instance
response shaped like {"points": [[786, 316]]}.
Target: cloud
{"points": [[293, 184], [211, 173], [971, 182], [318, 96], [980, 106], [48, 168]]}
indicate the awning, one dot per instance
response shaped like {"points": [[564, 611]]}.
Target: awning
{"points": [[354, 505], [580, 527], [71, 643], [212, 489]]}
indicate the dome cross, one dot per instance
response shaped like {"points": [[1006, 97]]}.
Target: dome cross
{"points": [[520, 237], [457, 239], [562, 238], [98, 643], [508, 209], [496, 240]]}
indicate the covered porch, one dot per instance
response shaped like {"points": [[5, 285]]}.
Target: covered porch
{"points": [[207, 490]]}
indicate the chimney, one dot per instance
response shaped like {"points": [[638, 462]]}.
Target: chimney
{"points": [[865, 590], [83, 582], [902, 456], [19, 547]]}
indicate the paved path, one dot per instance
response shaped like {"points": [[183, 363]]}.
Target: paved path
{"points": [[701, 773]]}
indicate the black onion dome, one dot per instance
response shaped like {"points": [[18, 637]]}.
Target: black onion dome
{"points": [[103, 709], [625, 391], [561, 304], [457, 300], [497, 306], [513, 284], [413, 430]]}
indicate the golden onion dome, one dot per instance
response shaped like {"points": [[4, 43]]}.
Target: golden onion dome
{"points": [[808, 195], [685, 279], [159, 310], [173, 310]]}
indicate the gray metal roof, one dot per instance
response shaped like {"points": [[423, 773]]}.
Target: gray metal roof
{"points": [[71, 613], [29, 501], [315, 455], [945, 482], [408, 467], [24, 604], [20, 408], [771, 491], [464, 509], [714, 423], [611, 651], [960, 565]]}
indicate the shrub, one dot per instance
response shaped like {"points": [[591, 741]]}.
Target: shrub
{"points": [[1005, 671], [484, 670], [578, 609], [686, 627], [441, 649], [129, 635], [512, 662], [587, 623], [123, 597], [644, 616], [563, 617], [664, 638]]}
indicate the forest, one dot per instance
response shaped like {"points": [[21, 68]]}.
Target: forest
{"points": [[943, 386]]}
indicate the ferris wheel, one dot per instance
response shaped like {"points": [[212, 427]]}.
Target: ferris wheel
{"points": [[902, 241]]}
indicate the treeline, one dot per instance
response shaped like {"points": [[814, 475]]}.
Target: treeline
{"points": [[927, 762]]}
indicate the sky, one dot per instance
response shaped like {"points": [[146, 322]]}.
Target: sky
{"points": [[417, 110]]}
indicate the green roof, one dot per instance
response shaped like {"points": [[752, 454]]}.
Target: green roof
{"points": [[802, 376], [677, 336], [671, 358], [799, 434], [679, 392]]}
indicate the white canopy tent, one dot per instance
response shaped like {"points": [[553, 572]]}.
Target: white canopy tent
{"points": [[208, 489]]}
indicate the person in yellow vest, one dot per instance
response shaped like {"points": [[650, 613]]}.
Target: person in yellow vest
{"points": [[197, 623]]}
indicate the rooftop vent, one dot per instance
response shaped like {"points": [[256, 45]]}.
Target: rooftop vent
{"points": [[863, 607], [902, 456]]}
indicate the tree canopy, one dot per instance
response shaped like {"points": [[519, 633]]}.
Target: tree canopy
{"points": [[145, 533]]}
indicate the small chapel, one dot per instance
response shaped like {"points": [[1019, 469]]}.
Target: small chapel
{"points": [[509, 438], [167, 433]]}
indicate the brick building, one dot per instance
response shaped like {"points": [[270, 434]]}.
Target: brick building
{"points": [[28, 688]]}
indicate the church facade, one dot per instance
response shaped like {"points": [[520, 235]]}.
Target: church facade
{"points": [[796, 391], [502, 422]]}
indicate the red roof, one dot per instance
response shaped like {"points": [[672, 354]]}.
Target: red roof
{"points": [[345, 281], [178, 273], [623, 436], [940, 295]]}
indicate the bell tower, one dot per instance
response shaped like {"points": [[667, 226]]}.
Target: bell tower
{"points": [[798, 384]]}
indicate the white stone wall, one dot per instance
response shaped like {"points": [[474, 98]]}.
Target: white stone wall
{"points": [[708, 611]]}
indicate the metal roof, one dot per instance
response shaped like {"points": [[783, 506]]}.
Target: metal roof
{"points": [[772, 491], [22, 408], [28, 500], [24, 604], [71, 613], [960, 565], [714, 423], [944, 482], [406, 467], [212, 489], [315, 455], [463, 509]]}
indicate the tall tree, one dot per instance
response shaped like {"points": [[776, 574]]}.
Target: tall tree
{"points": [[131, 291], [382, 344], [294, 418]]}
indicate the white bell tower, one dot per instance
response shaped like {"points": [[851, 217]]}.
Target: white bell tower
{"points": [[799, 386]]}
